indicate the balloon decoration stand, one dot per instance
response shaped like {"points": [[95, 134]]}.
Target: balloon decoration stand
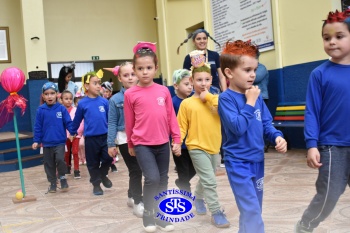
{"points": [[12, 80]]}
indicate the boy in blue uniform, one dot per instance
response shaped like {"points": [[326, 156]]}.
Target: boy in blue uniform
{"points": [[51, 121], [246, 121], [327, 124]]}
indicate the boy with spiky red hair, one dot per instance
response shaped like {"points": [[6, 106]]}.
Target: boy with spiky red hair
{"points": [[327, 124], [246, 121]]}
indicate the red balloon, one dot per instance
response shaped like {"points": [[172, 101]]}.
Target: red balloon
{"points": [[12, 79]]}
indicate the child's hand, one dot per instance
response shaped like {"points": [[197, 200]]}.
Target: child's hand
{"points": [[252, 95], [132, 152], [203, 94], [112, 151], [281, 144], [313, 158], [71, 138], [35, 145], [176, 149]]}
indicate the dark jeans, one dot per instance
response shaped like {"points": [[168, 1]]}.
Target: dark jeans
{"points": [[54, 161], [185, 169], [135, 174], [154, 163], [97, 159], [333, 177]]}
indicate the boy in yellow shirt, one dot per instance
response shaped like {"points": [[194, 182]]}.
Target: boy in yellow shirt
{"points": [[199, 120]]}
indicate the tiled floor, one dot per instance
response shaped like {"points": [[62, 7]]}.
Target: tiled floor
{"points": [[289, 186]]}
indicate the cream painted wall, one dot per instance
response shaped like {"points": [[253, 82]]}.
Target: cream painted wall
{"points": [[79, 29], [181, 15], [10, 16]]}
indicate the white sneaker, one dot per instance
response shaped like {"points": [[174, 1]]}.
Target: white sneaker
{"points": [[130, 202], [222, 165], [117, 158], [138, 210]]}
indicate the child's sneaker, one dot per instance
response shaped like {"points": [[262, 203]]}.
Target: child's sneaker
{"points": [[164, 225], [64, 184], [149, 223], [299, 228], [80, 163], [117, 158], [52, 188], [97, 190], [77, 174], [68, 170], [219, 219], [138, 210], [200, 206], [114, 168], [106, 182], [130, 202]]}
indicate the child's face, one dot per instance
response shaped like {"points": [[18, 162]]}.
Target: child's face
{"points": [[242, 77], [201, 41], [127, 76], [67, 99], [106, 93], [184, 88], [336, 42], [145, 70], [93, 87], [201, 81], [50, 97], [68, 77]]}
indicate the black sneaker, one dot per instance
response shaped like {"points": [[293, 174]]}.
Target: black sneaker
{"points": [[97, 190], [299, 228], [164, 225], [64, 184], [52, 188], [106, 182], [114, 168], [148, 220], [77, 174], [69, 170]]}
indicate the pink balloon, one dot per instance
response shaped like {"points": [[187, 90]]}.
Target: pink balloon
{"points": [[12, 79]]}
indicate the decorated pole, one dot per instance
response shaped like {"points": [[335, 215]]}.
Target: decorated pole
{"points": [[12, 80]]}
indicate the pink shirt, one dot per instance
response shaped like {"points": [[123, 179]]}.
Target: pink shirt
{"points": [[80, 130], [149, 116]]}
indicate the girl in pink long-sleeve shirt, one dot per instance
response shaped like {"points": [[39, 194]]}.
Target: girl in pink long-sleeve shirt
{"points": [[149, 120]]}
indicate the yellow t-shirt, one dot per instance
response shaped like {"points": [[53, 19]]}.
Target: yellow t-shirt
{"points": [[200, 122]]}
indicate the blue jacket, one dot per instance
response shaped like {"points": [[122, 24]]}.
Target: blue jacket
{"points": [[115, 116], [262, 80], [51, 123]]}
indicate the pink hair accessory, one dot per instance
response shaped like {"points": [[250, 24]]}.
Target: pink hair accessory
{"points": [[143, 45], [116, 70], [78, 94]]}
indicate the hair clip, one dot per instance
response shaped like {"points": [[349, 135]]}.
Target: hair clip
{"points": [[144, 45]]}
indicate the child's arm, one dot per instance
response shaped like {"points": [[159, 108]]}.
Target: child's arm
{"points": [[182, 120], [67, 121], [129, 117], [113, 116], [173, 125], [37, 129], [78, 117], [313, 158]]}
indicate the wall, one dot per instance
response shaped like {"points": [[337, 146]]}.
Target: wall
{"points": [[79, 29], [10, 16]]}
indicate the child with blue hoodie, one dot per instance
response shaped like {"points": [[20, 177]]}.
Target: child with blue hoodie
{"points": [[51, 121]]}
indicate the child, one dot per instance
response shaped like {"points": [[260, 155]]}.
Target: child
{"points": [[107, 91], [185, 170], [64, 79], [200, 124], [94, 110], [72, 144], [117, 135], [327, 124], [81, 151], [247, 120], [150, 119], [51, 122]]}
